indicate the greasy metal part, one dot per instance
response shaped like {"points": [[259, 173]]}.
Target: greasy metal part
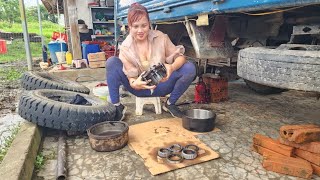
{"points": [[155, 74], [61, 161], [108, 136], [164, 152], [249, 27], [192, 146], [207, 41], [174, 158], [176, 148], [306, 29], [302, 47], [189, 154]]}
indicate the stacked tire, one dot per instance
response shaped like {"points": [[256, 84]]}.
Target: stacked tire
{"points": [[42, 80], [48, 104]]}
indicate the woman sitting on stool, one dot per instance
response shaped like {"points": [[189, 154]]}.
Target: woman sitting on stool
{"points": [[142, 49]]}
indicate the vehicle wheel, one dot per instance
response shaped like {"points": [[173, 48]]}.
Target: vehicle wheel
{"points": [[42, 80], [284, 68], [51, 108], [262, 89]]}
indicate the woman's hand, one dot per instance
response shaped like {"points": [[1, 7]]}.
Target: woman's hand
{"points": [[139, 84], [170, 69]]}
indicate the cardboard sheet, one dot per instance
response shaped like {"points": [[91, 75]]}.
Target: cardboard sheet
{"points": [[147, 138]]}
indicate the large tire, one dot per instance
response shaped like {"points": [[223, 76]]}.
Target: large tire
{"points": [[42, 80], [262, 89], [281, 68], [51, 108]]}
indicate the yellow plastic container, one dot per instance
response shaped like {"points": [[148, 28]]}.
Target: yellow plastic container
{"points": [[69, 58]]}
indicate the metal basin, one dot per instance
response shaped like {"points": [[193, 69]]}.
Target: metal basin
{"points": [[108, 136], [199, 120]]}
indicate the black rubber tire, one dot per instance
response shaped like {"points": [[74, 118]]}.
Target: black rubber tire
{"points": [[39, 107], [42, 80], [262, 89], [280, 68]]}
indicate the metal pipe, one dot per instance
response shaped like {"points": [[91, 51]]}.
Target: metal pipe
{"points": [[116, 29], [25, 34], [61, 161], [40, 24]]}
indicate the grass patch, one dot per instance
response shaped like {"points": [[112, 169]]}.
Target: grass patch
{"points": [[41, 159], [8, 141], [17, 51], [33, 27], [11, 74]]}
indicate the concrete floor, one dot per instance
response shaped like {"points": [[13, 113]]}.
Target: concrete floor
{"points": [[239, 118]]}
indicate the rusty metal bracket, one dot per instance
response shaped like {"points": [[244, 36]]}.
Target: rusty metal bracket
{"points": [[209, 42]]}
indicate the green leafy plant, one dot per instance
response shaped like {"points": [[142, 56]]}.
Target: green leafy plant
{"points": [[41, 159]]}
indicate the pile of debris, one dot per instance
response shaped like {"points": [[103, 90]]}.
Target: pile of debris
{"points": [[295, 153]]}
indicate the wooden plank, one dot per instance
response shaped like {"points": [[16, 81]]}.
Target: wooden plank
{"points": [[66, 22], [73, 22]]}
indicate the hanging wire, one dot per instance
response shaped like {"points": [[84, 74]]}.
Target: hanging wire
{"points": [[176, 22], [272, 12]]}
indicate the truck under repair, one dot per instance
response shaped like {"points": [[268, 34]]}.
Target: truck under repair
{"points": [[271, 44]]}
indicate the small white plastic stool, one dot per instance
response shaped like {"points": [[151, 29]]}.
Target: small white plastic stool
{"points": [[140, 101]]}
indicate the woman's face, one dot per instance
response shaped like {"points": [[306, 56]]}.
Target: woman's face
{"points": [[140, 29]]}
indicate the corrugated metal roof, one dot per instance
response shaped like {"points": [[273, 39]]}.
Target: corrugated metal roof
{"points": [[51, 6]]}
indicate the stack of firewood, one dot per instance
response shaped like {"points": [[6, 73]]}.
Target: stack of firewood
{"points": [[295, 153]]}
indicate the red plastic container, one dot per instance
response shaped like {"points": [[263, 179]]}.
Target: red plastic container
{"points": [[109, 54], [3, 46]]}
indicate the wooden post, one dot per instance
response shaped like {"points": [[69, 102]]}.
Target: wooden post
{"points": [[73, 23], [66, 22]]}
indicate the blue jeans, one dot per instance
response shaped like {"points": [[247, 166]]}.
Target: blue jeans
{"points": [[177, 84]]}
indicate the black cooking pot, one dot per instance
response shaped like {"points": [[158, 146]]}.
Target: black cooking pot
{"points": [[199, 120]]}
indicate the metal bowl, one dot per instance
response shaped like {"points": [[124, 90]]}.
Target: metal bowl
{"points": [[108, 136], [199, 120]]}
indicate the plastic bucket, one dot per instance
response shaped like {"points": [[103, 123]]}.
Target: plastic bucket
{"points": [[61, 56], [102, 92], [3, 46], [56, 47]]}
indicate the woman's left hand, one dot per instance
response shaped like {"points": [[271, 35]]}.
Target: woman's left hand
{"points": [[169, 72]]}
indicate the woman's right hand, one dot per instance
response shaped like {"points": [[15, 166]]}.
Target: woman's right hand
{"points": [[139, 84]]}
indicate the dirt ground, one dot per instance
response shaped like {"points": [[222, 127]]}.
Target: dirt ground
{"points": [[9, 94], [239, 118], [9, 89]]}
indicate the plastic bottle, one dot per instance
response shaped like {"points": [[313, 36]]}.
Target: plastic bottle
{"points": [[69, 58]]}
